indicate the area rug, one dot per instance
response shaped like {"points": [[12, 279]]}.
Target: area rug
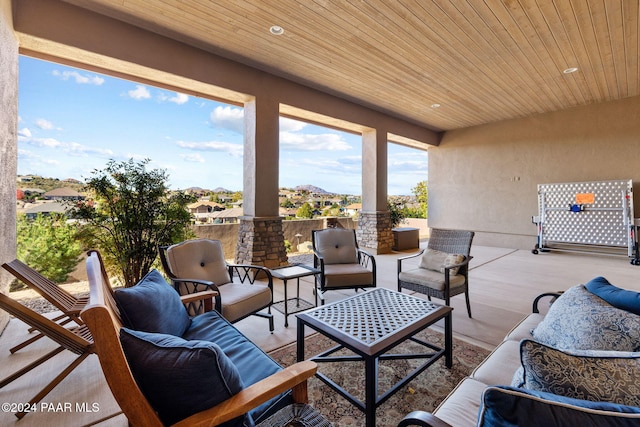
{"points": [[424, 392]]}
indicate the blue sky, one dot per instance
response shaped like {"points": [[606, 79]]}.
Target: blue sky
{"points": [[72, 121]]}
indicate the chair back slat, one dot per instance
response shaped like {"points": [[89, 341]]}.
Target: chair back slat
{"points": [[77, 342], [57, 296]]}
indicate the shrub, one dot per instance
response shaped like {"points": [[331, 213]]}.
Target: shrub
{"points": [[49, 245]]}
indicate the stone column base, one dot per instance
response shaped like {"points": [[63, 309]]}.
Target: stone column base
{"points": [[374, 232], [261, 242]]}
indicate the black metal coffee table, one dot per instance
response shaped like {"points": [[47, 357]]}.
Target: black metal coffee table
{"points": [[370, 324]]}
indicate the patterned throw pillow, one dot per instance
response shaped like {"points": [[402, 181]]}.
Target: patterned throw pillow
{"points": [[579, 320], [595, 375], [437, 261]]}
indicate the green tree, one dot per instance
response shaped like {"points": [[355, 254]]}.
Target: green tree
{"points": [[305, 211], [396, 213], [421, 191], [130, 214], [48, 244]]}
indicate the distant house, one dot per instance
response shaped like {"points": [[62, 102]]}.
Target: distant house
{"points": [[204, 211], [353, 209], [64, 193], [228, 216], [46, 209]]}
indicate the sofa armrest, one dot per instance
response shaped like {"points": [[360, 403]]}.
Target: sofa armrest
{"points": [[536, 302], [293, 377], [422, 419]]}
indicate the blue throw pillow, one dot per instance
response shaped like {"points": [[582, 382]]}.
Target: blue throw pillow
{"points": [[504, 406], [617, 297], [152, 305], [178, 377]]}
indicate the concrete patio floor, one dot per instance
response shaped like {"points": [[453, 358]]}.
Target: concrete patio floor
{"points": [[503, 284]]}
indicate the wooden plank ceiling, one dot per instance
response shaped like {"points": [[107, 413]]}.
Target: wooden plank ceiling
{"points": [[481, 61]]}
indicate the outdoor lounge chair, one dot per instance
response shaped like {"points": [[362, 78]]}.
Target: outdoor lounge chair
{"points": [[138, 376], [444, 267], [199, 264], [76, 339], [342, 264], [68, 304]]}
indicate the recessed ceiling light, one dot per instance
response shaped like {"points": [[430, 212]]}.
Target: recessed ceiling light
{"points": [[435, 105], [276, 30], [570, 70]]}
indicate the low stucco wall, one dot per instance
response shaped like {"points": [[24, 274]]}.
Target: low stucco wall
{"points": [[228, 233]]}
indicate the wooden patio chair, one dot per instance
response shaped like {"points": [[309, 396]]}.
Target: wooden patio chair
{"points": [[76, 339], [68, 304], [103, 319]]}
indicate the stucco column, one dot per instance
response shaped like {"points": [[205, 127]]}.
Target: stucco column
{"points": [[8, 144], [260, 236], [374, 226]]}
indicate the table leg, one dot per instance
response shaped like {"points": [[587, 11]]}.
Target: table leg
{"points": [[371, 390], [300, 342], [448, 341], [286, 305]]}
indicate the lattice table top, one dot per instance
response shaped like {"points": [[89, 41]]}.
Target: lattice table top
{"points": [[373, 315]]}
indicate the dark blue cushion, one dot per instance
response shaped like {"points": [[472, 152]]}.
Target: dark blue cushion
{"points": [[617, 297], [504, 406], [152, 305], [178, 377], [253, 363]]}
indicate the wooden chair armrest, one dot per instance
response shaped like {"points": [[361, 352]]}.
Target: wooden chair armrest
{"points": [[256, 394], [206, 296], [422, 419]]}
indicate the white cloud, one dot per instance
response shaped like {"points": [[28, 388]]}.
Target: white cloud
{"points": [[25, 132], [179, 98], [229, 118], [234, 150], [140, 92], [79, 78], [44, 124], [313, 142], [192, 158], [291, 125]]}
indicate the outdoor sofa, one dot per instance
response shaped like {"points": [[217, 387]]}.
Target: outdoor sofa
{"points": [[577, 365]]}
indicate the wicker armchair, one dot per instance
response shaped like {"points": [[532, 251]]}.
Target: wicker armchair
{"points": [[444, 267]]}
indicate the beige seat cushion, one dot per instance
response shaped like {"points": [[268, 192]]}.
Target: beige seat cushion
{"points": [[429, 278], [346, 275], [499, 367], [240, 299], [460, 408]]}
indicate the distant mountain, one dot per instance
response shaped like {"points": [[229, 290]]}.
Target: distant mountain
{"points": [[222, 190], [311, 189]]}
